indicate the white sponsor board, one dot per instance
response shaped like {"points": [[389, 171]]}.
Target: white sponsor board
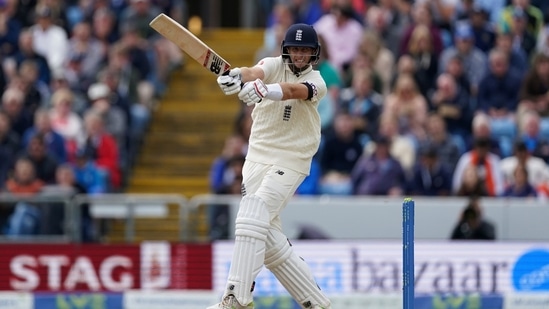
{"points": [[174, 299], [361, 301], [526, 301], [16, 300], [343, 267]]}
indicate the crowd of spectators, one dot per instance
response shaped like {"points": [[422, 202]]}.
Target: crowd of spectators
{"points": [[78, 80], [426, 97]]}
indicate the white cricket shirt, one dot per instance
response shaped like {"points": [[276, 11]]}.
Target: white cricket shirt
{"points": [[286, 133]]}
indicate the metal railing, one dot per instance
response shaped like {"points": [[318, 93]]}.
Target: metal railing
{"points": [[364, 217]]}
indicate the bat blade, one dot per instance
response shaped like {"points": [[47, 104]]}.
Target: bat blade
{"points": [[190, 44]]}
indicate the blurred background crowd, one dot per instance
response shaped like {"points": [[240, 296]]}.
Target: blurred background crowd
{"points": [[78, 83], [426, 97]]}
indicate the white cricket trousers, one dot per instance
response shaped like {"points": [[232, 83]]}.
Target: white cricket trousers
{"points": [[275, 185]]}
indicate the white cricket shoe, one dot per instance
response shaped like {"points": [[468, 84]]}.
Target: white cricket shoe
{"points": [[230, 302]]}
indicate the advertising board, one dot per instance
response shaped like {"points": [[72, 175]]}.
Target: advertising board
{"points": [[346, 267]]}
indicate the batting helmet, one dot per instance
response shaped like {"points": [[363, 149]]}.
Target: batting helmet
{"points": [[301, 35]]}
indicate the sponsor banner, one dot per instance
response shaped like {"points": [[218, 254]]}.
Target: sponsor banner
{"points": [[191, 267], [450, 301], [105, 268], [16, 300], [169, 299], [348, 267], [57, 267], [155, 265], [526, 301], [78, 300]]}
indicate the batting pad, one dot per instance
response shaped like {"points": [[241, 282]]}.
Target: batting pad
{"points": [[252, 226], [292, 272]]}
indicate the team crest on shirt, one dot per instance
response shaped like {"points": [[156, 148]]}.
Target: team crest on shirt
{"points": [[287, 113]]}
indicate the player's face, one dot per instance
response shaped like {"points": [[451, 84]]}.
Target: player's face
{"points": [[300, 55]]}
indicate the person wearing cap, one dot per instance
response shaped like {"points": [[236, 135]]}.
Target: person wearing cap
{"points": [[473, 59]]}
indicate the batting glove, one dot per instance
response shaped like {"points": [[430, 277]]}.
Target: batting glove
{"points": [[230, 83], [253, 92]]}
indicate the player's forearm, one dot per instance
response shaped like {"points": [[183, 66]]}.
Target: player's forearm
{"points": [[294, 91], [251, 74]]}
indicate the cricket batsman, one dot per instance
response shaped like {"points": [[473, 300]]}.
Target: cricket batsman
{"points": [[284, 137]]}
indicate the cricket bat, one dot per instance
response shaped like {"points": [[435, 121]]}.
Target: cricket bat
{"points": [[190, 44]]}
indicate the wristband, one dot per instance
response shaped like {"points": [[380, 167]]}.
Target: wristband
{"points": [[274, 92]]}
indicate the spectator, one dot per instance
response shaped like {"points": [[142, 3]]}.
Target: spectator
{"points": [[389, 19], [453, 104], [66, 122], [472, 226], [535, 87], [26, 217], [102, 148], [422, 15], [362, 103], [340, 31], [530, 133], [35, 93], [45, 164], [456, 70], [94, 179], [66, 185], [381, 58], [520, 186], [534, 16], [10, 27], [137, 16], [306, 11], [537, 169], [114, 118], [234, 146], [498, 95], [280, 19], [83, 44], [104, 29], [85, 56], [379, 173], [473, 59], [26, 52], [483, 30], [516, 56], [137, 51], [420, 48], [408, 105], [9, 146], [47, 34], [403, 148], [13, 107], [430, 176], [522, 39], [481, 128], [55, 143], [448, 150], [338, 155], [487, 167], [471, 184]]}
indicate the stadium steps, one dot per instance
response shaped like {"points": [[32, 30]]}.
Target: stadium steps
{"points": [[187, 132]]}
